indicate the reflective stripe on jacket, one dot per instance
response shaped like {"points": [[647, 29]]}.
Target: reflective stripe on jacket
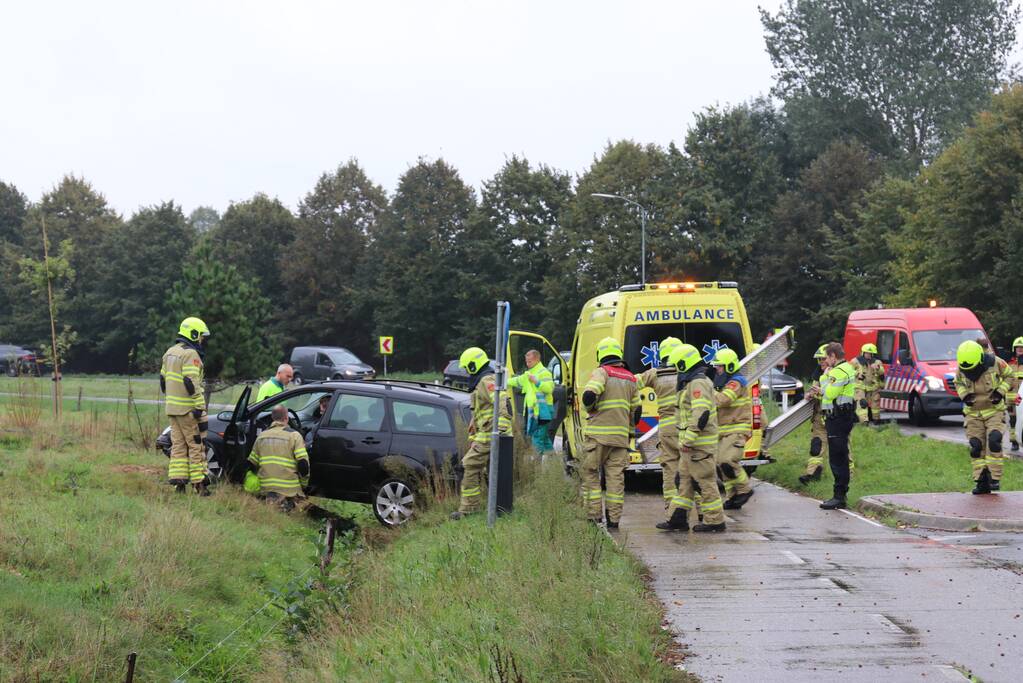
{"points": [[735, 407], [839, 387], [482, 403], [609, 421], [276, 453], [696, 399], [998, 378]]}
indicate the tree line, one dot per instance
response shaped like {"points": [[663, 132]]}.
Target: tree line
{"points": [[885, 168]]}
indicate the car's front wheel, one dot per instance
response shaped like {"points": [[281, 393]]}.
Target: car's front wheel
{"points": [[297, 378], [393, 502], [916, 412]]}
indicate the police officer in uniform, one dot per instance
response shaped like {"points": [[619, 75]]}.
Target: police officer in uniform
{"points": [[611, 399], [482, 384], [838, 392], [869, 382], [181, 380], [664, 380], [735, 427], [279, 458], [698, 442], [1016, 365], [982, 382]]}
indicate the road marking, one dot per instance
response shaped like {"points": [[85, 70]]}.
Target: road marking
{"points": [[793, 558], [952, 537], [980, 547], [832, 586], [862, 518], [760, 537], [951, 673], [887, 623]]}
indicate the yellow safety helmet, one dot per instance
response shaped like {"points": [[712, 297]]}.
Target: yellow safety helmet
{"points": [[1018, 341], [685, 357], [969, 355], [193, 329], [727, 358], [609, 348], [868, 348], [821, 352], [665, 348], [473, 359]]}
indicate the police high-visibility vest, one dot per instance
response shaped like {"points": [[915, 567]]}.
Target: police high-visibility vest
{"points": [[269, 388], [182, 361], [839, 386]]}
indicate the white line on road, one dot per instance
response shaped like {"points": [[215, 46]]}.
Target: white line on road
{"points": [[832, 586], [793, 558], [887, 623], [941, 539], [862, 518], [951, 673]]}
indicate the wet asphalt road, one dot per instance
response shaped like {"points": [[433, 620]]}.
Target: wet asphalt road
{"points": [[795, 593]]}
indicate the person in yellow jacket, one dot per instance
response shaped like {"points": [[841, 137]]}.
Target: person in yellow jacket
{"points": [[698, 442], [869, 383], [735, 426], [982, 382], [276, 384], [537, 387], [279, 458], [482, 384], [664, 380], [182, 382], [838, 401], [611, 399], [1016, 365]]}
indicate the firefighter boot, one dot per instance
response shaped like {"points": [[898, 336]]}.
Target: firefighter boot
{"points": [[983, 483], [679, 521], [996, 485], [738, 500], [805, 479], [709, 528], [835, 503], [180, 488]]}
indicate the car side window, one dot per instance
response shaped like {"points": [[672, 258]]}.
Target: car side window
{"points": [[903, 343], [885, 341], [361, 413], [321, 359], [420, 418]]}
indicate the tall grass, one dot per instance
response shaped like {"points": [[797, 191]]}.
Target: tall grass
{"points": [[541, 597]]}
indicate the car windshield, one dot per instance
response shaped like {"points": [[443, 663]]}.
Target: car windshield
{"points": [[641, 341], [342, 357], [932, 345]]}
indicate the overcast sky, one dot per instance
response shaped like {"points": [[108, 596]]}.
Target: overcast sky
{"points": [[210, 102]]}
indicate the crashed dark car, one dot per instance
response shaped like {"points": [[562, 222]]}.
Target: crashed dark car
{"points": [[372, 442]]}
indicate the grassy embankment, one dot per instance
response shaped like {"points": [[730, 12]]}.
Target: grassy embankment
{"points": [[98, 558], [886, 461]]}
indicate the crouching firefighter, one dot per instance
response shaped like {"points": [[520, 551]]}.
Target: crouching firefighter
{"points": [[982, 382], [482, 384], [664, 381], [611, 398], [735, 427], [181, 380], [279, 458], [698, 441]]}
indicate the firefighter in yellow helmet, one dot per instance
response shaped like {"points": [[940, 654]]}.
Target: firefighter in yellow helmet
{"points": [[611, 398], [735, 426], [1016, 365], [482, 384], [698, 441], [869, 382], [982, 382], [663, 381], [818, 434], [181, 379]]}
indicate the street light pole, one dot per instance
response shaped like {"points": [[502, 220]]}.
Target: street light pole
{"points": [[642, 238]]}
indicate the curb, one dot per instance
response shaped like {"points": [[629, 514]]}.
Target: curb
{"points": [[941, 522]]}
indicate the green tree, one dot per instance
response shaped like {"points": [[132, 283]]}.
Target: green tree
{"points": [[204, 219], [598, 247], [13, 209], [41, 276], [144, 259], [962, 236], [921, 67], [505, 254], [327, 299], [256, 237], [240, 345], [415, 256]]}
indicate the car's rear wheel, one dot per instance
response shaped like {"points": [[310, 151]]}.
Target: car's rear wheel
{"points": [[393, 502]]}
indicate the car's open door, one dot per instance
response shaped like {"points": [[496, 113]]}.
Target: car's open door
{"points": [[518, 344], [236, 446]]}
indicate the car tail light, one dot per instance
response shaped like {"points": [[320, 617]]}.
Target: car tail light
{"points": [[757, 407]]}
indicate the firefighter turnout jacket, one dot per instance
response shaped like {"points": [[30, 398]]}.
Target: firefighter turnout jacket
{"points": [[182, 377], [609, 420]]}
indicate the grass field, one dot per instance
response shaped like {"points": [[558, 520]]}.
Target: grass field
{"points": [[98, 558], [885, 462]]}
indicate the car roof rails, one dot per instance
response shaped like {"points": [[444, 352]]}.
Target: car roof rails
{"points": [[436, 389]]}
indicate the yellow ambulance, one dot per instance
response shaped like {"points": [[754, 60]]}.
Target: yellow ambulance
{"points": [[708, 315]]}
